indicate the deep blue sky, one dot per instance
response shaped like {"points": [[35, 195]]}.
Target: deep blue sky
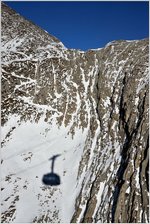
{"points": [[86, 25]]}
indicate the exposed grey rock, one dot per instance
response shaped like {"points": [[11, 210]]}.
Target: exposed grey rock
{"points": [[122, 98], [103, 92]]}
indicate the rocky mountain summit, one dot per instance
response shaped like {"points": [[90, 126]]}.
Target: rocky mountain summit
{"points": [[91, 108]]}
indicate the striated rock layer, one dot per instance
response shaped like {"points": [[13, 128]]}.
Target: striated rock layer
{"points": [[90, 107]]}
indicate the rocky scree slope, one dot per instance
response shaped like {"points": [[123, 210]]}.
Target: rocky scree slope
{"points": [[92, 108]]}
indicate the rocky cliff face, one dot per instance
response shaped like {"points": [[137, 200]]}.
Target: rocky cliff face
{"points": [[90, 107]]}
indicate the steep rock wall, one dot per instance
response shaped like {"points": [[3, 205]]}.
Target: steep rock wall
{"points": [[91, 107]]}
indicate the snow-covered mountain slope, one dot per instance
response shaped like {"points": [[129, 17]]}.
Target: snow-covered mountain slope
{"points": [[89, 107]]}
